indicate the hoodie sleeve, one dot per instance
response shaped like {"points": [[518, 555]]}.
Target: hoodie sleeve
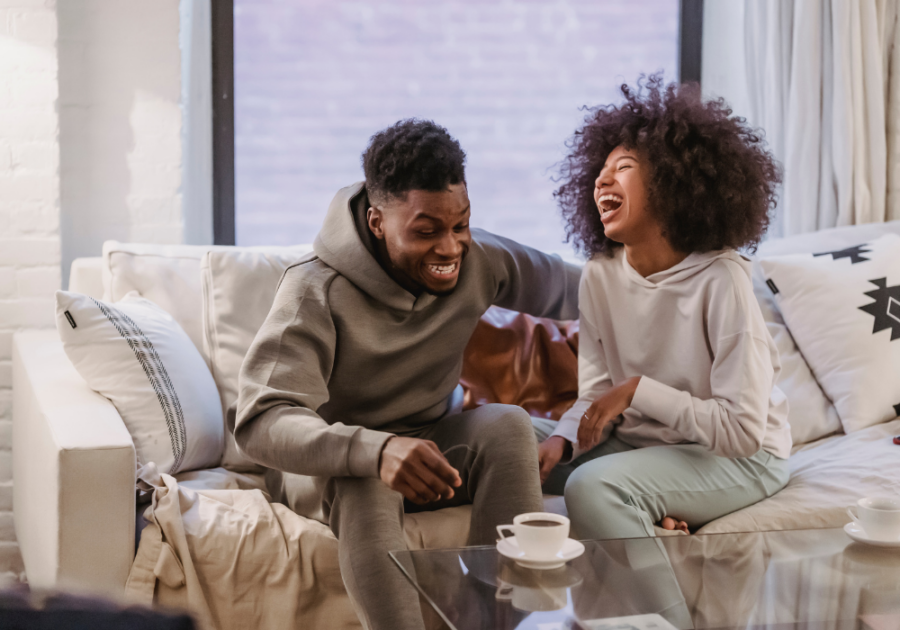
{"points": [[284, 380], [593, 374], [530, 281], [733, 421]]}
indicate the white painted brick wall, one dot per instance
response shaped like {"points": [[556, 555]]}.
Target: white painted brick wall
{"points": [[29, 208], [120, 123]]}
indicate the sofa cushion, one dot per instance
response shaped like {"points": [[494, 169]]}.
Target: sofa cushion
{"points": [[168, 275], [827, 477], [134, 353], [238, 288], [843, 309]]}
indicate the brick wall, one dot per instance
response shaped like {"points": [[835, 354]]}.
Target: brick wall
{"points": [[313, 80], [29, 208], [120, 124]]}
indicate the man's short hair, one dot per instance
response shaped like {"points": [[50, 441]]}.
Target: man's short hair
{"points": [[412, 154]]}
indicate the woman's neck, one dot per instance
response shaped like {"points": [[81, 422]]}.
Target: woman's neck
{"points": [[652, 256]]}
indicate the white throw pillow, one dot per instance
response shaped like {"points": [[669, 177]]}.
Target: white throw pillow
{"points": [[843, 310], [238, 290], [810, 414], [135, 354]]}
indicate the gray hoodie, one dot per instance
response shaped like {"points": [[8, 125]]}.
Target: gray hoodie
{"points": [[347, 357]]}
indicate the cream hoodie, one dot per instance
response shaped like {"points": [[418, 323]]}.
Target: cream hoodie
{"points": [[696, 337]]}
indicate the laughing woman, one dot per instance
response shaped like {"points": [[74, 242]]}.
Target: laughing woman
{"points": [[678, 419]]}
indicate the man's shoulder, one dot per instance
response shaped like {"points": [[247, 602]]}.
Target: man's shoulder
{"points": [[307, 276]]}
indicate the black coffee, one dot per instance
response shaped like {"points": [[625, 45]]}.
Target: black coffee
{"points": [[541, 523]]}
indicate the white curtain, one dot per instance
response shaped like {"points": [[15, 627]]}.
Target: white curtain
{"points": [[824, 83]]}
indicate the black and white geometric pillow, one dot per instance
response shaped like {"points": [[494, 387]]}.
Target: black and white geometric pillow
{"points": [[136, 355], [843, 310]]}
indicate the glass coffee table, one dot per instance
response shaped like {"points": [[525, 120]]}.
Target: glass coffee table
{"points": [[807, 579]]}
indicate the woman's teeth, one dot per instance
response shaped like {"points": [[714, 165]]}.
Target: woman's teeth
{"points": [[442, 270], [609, 202]]}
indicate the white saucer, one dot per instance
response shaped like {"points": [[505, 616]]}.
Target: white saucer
{"points": [[509, 547], [857, 533]]}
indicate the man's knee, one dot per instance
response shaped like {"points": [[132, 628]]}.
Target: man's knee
{"points": [[509, 427], [365, 490], [363, 499]]}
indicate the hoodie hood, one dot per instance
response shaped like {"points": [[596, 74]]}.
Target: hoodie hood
{"points": [[345, 247], [686, 269]]}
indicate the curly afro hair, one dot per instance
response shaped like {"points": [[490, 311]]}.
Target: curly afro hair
{"points": [[409, 155], [712, 184]]}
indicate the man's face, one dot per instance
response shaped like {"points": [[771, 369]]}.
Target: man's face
{"points": [[425, 237]]}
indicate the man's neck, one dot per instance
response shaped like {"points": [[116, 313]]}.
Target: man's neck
{"points": [[384, 259]]}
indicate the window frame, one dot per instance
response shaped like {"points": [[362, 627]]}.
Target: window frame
{"points": [[690, 39]]}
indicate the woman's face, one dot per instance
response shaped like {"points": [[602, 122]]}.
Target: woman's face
{"points": [[620, 192]]}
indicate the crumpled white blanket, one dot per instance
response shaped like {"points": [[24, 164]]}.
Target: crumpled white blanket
{"points": [[234, 560]]}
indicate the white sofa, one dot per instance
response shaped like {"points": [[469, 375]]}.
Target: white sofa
{"points": [[74, 461]]}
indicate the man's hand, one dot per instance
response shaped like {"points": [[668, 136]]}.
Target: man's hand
{"points": [[604, 410], [418, 470], [550, 451]]}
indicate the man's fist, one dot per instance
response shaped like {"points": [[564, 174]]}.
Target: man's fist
{"points": [[418, 470], [550, 451]]}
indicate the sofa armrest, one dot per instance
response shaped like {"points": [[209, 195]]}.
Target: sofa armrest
{"points": [[73, 474]]}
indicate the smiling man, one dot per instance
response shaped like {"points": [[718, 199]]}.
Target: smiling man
{"points": [[350, 393]]}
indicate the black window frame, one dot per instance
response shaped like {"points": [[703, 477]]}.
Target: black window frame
{"points": [[690, 38]]}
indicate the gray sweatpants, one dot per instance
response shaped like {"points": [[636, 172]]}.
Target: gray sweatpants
{"points": [[494, 450]]}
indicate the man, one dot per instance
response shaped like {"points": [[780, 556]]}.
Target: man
{"points": [[353, 379]]}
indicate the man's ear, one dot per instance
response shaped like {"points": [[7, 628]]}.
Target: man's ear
{"points": [[375, 219]]}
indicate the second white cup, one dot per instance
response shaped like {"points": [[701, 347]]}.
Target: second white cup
{"points": [[878, 516], [540, 535]]}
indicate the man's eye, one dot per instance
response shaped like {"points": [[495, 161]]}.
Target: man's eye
{"points": [[425, 234], [461, 228]]}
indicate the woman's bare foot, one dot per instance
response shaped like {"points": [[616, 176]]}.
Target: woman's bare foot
{"points": [[671, 524]]}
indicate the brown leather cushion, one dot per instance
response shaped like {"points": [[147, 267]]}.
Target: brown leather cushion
{"points": [[522, 360]]}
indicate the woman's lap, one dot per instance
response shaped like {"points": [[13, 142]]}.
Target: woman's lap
{"points": [[617, 491]]}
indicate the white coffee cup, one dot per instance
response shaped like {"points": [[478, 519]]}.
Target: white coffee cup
{"points": [[540, 535], [879, 517]]}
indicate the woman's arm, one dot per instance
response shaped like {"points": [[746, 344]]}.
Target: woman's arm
{"points": [[733, 422], [593, 378]]}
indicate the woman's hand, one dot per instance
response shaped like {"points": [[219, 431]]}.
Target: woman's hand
{"points": [[603, 411], [550, 451]]}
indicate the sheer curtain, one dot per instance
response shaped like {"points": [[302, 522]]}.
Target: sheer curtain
{"points": [[823, 82]]}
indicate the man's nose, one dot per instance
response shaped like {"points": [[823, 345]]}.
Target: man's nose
{"points": [[450, 246]]}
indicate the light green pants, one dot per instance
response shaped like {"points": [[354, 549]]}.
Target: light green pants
{"points": [[618, 491]]}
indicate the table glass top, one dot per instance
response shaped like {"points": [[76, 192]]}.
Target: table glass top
{"points": [[794, 579]]}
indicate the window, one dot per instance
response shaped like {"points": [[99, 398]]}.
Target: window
{"points": [[313, 80]]}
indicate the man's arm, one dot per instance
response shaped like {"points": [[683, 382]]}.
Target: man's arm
{"points": [[530, 281], [283, 382]]}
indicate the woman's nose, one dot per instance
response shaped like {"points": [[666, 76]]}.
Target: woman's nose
{"points": [[603, 178]]}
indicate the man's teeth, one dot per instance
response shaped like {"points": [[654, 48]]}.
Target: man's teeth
{"points": [[442, 269]]}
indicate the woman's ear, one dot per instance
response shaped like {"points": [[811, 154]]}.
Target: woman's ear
{"points": [[375, 219]]}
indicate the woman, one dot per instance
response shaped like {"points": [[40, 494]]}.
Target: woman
{"points": [[678, 419]]}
